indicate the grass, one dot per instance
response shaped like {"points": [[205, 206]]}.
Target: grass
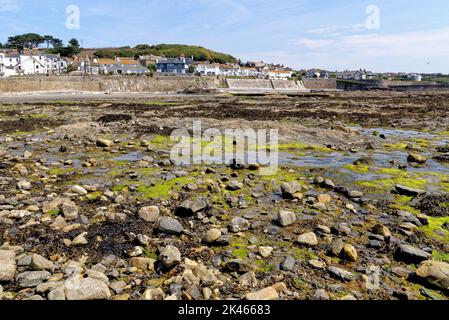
{"points": [[440, 256], [357, 168], [303, 147], [435, 230], [160, 190]]}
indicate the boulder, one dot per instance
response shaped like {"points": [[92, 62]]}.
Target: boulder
{"points": [[308, 239], [286, 218], [79, 288], [410, 254], [149, 214], [7, 265], [434, 273]]}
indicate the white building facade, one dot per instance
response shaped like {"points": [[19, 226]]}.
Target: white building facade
{"points": [[36, 63]]}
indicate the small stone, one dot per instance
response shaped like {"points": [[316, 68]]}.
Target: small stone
{"points": [[320, 294], [349, 252], [434, 273], [7, 265], [239, 224], [341, 229], [170, 256], [149, 214], [57, 294], [409, 254], [31, 279], [290, 188], [324, 198], [286, 218], [341, 273], [317, 264], [240, 266], [79, 288], [407, 191], [416, 158], [104, 143], [38, 263], [70, 210], [79, 190], [288, 264], [381, 230], [263, 295], [145, 264], [355, 194], [80, 240], [212, 235], [265, 251], [169, 225], [153, 294], [234, 185], [189, 207], [24, 185], [308, 239]]}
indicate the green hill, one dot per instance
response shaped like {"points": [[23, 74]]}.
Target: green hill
{"points": [[169, 51]]}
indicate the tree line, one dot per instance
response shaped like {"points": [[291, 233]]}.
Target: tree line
{"points": [[48, 43]]}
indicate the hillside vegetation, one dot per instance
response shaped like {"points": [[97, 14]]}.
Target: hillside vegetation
{"points": [[169, 51]]}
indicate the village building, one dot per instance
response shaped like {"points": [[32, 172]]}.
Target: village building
{"points": [[174, 65], [31, 62], [279, 74], [149, 60]]}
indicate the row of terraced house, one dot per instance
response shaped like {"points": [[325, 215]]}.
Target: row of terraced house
{"points": [[31, 62], [36, 62]]}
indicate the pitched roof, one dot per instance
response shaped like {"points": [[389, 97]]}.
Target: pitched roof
{"points": [[128, 61]]}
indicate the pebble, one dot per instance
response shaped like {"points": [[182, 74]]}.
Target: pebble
{"points": [[38, 263], [263, 295], [170, 256], [265, 252], [149, 214], [7, 265], [410, 254], [239, 224], [79, 288], [349, 252], [169, 225], [308, 239], [212, 235], [79, 190], [286, 218], [31, 279]]}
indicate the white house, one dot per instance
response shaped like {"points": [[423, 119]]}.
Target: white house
{"points": [[205, 69], [279, 74], [31, 63], [415, 77], [352, 75], [250, 72], [2, 66], [55, 64]]}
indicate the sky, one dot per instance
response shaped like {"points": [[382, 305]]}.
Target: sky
{"points": [[377, 35]]}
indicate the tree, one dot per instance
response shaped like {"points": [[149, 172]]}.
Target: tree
{"points": [[28, 40], [56, 43], [48, 40], [74, 43]]}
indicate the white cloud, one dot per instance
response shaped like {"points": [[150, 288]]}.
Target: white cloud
{"points": [[9, 5], [426, 44], [336, 30]]}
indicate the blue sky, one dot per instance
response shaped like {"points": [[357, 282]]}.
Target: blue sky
{"points": [[413, 35]]}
